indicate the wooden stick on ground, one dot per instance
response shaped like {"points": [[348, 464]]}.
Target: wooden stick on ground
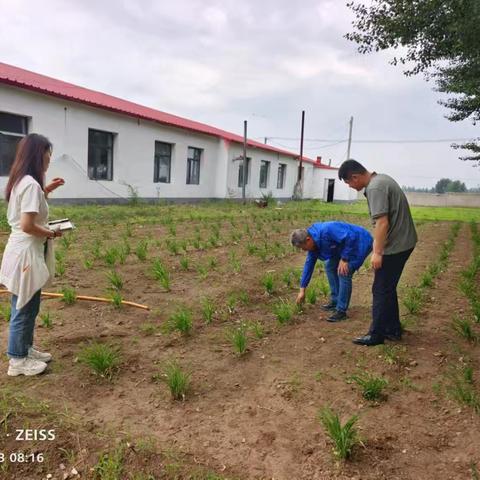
{"points": [[93, 299]]}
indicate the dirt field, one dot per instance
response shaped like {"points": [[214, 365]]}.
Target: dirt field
{"points": [[251, 416]]}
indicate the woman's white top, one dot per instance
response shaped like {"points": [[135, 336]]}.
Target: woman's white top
{"points": [[24, 270]]}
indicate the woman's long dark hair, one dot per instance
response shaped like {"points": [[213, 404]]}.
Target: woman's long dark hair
{"points": [[28, 160]]}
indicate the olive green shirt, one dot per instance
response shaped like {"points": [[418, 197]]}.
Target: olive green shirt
{"points": [[385, 197]]}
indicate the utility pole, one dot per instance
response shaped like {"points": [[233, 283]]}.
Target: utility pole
{"points": [[266, 140], [350, 138], [244, 173], [300, 165], [297, 189]]}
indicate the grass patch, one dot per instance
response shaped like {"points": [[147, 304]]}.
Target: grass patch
{"points": [[69, 295], [103, 360], [371, 385], [178, 380], [464, 328], [238, 338], [161, 273], [5, 311], [284, 311], [208, 310], [110, 465], [181, 320], [344, 437]]}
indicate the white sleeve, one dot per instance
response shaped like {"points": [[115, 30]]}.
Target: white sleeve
{"points": [[30, 199]]}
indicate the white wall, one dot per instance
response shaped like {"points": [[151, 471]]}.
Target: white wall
{"points": [[252, 189], [67, 123], [341, 191]]}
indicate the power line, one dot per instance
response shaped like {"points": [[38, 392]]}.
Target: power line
{"points": [[336, 141]]}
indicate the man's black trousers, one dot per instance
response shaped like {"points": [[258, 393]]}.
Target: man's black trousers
{"points": [[385, 314]]}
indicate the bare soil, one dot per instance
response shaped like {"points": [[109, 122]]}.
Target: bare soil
{"points": [[255, 416]]}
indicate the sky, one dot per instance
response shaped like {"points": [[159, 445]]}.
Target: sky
{"points": [[264, 61]]}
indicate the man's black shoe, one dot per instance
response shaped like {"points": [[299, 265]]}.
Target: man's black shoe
{"points": [[338, 316], [328, 307], [369, 340]]}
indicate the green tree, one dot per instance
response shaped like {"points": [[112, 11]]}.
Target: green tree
{"points": [[456, 186], [442, 185], [440, 38]]}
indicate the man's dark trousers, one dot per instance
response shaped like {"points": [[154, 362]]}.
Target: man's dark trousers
{"points": [[385, 314]]}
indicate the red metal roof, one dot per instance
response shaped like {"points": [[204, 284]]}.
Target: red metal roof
{"points": [[21, 78]]}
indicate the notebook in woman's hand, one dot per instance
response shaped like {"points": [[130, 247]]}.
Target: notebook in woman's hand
{"points": [[64, 224]]}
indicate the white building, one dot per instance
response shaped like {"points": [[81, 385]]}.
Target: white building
{"points": [[102, 144]]}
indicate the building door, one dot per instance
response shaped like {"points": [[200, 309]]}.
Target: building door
{"points": [[330, 189]]}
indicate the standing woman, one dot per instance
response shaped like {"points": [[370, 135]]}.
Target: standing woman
{"points": [[23, 270]]}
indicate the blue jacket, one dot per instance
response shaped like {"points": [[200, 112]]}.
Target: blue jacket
{"points": [[337, 240]]}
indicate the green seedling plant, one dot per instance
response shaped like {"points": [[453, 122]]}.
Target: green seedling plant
{"points": [[148, 329], [462, 389], [178, 381], [235, 263], [393, 354], [103, 360], [141, 250], [111, 256], [128, 230], [184, 263], [172, 246], [88, 263], [117, 299], [183, 245], [110, 465], [257, 329], [238, 339], [208, 310], [371, 385], [46, 319], [203, 271], [115, 280], [426, 280], [344, 437], [60, 269], [97, 249], [268, 283], [464, 328], [69, 295], [66, 240], [161, 274], [243, 297], [126, 248], [287, 277], [413, 300], [320, 284], [232, 302], [196, 242], [181, 320], [5, 311], [212, 263], [311, 295], [284, 311]]}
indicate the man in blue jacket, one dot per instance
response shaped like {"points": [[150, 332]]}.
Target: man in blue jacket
{"points": [[343, 247]]}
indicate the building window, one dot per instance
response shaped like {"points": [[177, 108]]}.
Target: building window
{"points": [[264, 171], [240, 172], [193, 166], [163, 162], [100, 155], [282, 169], [12, 129]]}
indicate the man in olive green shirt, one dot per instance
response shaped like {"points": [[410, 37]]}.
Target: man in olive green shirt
{"points": [[394, 240]]}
